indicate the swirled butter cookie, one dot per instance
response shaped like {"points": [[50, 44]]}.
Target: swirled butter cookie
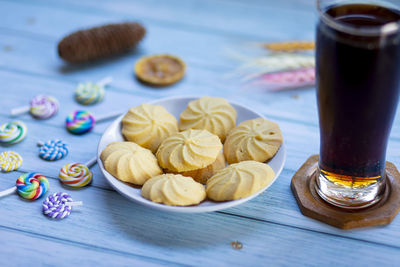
{"points": [[257, 139], [148, 125], [214, 114], [130, 162], [188, 150], [239, 180], [203, 174], [174, 190]]}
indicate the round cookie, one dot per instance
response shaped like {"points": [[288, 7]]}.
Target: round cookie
{"points": [[148, 125], [160, 70], [214, 114], [130, 162], [173, 190], [203, 174], [188, 150], [257, 139], [239, 180]]}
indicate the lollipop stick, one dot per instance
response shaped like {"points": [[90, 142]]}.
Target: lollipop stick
{"points": [[108, 116], [91, 162], [74, 203], [105, 81], [40, 143], [8, 191], [20, 110]]}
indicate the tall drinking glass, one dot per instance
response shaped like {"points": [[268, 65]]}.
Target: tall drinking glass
{"points": [[358, 73]]}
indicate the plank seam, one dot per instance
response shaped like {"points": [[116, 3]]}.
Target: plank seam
{"points": [[89, 246], [158, 22]]}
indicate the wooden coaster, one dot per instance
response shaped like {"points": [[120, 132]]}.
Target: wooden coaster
{"points": [[312, 205]]}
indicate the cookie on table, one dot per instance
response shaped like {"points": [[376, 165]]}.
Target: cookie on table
{"points": [[203, 174], [188, 150], [148, 125], [214, 114], [239, 180], [130, 162], [174, 190], [160, 70], [258, 139]]}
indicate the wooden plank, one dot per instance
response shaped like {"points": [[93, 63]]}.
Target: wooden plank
{"points": [[40, 249], [109, 221], [215, 17]]}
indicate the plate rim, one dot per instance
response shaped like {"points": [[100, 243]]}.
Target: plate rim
{"points": [[184, 209]]}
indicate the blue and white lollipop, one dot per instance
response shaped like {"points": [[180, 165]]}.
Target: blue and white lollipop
{"points": [[53, 150]]}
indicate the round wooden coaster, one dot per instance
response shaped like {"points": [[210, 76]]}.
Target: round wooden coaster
{"points": [[311, 205]]}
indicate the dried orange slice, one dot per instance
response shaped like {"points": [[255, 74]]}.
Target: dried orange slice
{"points": [[160, 69]]}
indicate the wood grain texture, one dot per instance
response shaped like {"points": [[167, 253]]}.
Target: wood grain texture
{"points": [[109, 221], [108, 228]]}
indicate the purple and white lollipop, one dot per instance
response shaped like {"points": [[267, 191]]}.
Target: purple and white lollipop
{"points": [[59, 205], [41, 107]]}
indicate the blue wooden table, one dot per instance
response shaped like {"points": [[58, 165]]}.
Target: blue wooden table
{"points": [[111, 230]]}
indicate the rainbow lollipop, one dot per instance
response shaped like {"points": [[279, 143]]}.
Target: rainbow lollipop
{"points": [[41, 107], [81, 121], [77, 174], [30, 185]]}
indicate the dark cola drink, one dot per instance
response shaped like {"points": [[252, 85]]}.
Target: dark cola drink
{"points": [[358, 73]]}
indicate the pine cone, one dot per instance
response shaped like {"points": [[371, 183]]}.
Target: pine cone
{"points": [[100, 42]]}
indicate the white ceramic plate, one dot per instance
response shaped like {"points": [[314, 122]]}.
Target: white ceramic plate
{"points": [[176, 105]]}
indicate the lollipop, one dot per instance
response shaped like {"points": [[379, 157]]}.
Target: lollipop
{"points": [[91, 93], [80, 121], [10, 161], [41, 107], [12, 132], [30, 185], [77, 174], [53, 150], [59, 205]]}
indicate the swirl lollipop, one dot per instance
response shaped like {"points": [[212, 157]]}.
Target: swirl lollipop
{"points": [[77, 174], [12, 132], [80, 121], [91, 93], [30, 185], [10, 161], [59, 205], [53, 150], [41, 107]]}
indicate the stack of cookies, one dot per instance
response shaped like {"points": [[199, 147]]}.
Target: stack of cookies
{"points": [[184, 163]]}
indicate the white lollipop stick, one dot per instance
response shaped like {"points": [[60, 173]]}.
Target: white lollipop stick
{"points": [[20, 110], [75, 203], [40, 143], [108, 116], [91, 162], [105, 81], [8, 191]]}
